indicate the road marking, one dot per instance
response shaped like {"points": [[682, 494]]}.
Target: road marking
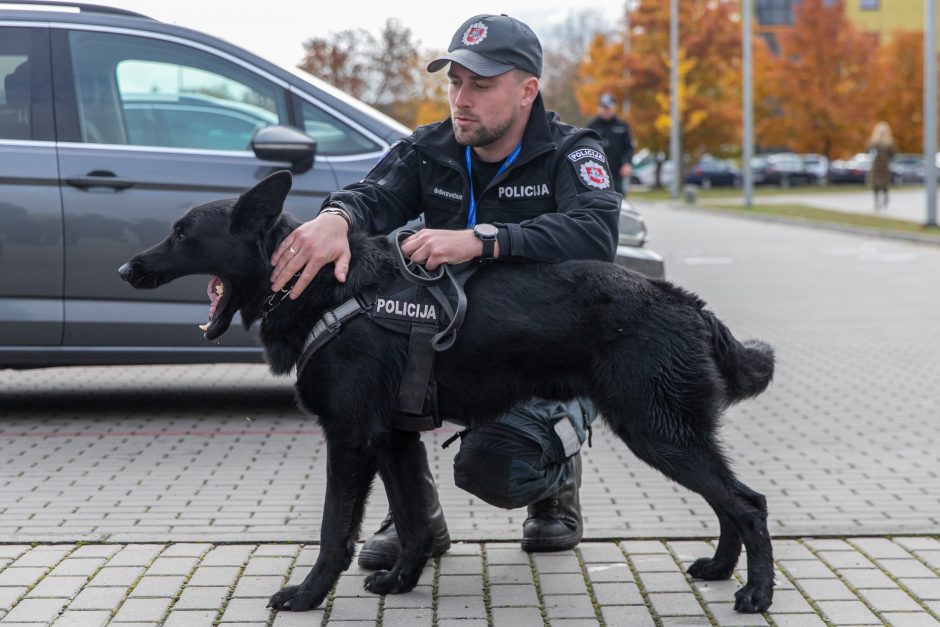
{"points": [[707, 261], [870, 253]]}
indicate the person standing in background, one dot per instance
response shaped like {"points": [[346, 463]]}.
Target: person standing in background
{"points": [[617, 141], [882, 148]]}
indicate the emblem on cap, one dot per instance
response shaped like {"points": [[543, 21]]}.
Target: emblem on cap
{"points": [[594, 175], [475, 34]]}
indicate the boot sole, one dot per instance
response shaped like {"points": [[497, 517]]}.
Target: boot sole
{"points": [[548, 546]]}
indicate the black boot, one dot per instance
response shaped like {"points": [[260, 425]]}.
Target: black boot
{"points": [[381, 551], [554, 523]]}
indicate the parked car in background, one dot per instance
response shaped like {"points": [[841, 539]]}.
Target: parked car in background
{"points": [[818, 166], [148, 119], [853, 170], [710, 172], [644, 170], [782, 168], [907, 168]]}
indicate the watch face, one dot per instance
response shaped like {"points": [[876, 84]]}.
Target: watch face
{"points": [[486, 230]]}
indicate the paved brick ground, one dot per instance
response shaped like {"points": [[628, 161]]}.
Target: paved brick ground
{"points": [[166, 463], [861, 581]]}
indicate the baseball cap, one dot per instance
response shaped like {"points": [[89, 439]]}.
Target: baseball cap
{"points": [[607, 101], [489, 45]]}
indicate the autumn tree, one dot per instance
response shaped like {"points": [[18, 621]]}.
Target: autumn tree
{"points": [[432, 105], [901, 74], [710, 72], [817, 95], [383, 72], [564, 48], [603, 70]]}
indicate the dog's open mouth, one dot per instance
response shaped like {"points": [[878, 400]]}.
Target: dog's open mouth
{"points": [[220, 313]]}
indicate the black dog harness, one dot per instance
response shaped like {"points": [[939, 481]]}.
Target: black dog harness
{"points": [[417, 304]]}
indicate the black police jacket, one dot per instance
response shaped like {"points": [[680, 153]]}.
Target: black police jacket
{"points": [[554, 202], [616, 140]]}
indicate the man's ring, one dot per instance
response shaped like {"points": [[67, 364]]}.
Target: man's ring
{"points": [[291, 250]]}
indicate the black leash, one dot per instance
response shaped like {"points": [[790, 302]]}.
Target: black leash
{"points": [[419, 275]]}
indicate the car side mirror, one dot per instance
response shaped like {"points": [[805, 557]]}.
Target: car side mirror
{"points": [[284, 143]]}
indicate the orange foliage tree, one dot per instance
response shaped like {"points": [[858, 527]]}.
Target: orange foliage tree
{"points": [[901, 74], [710, 76], [817, 95], [603, 71]]}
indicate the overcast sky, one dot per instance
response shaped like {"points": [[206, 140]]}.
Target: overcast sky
{"points": [[275, 29]]}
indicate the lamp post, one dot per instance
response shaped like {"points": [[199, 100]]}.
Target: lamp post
{"points": [[629, 8], [748, 103], [930, 107], [675, 146]]}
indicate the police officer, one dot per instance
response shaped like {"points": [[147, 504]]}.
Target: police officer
{"points": [[616, 139], [502, 180]]}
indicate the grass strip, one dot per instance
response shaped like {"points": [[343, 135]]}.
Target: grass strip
{"points": [[829, 216]]}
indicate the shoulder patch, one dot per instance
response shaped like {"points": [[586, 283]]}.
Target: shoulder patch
{"points": [[590, 168]]}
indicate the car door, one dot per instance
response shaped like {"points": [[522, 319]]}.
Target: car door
{"points": [[154, 125], [31, 267]]}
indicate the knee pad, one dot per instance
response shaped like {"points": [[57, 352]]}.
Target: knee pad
{"points": [[502, 467]]}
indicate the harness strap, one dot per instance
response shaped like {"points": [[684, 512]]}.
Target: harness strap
{"points": [[327, 327], [417, 394]]}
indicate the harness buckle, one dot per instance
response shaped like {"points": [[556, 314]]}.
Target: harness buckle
{"points": [[332, 322]]}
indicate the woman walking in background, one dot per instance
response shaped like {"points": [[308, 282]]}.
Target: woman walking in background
{"points": [[881, 147]]}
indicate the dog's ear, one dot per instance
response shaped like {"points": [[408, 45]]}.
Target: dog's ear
{"points": [[258, 209]]}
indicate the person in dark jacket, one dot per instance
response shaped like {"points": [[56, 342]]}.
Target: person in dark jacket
{"points": [[503, 181], [616, 139]]}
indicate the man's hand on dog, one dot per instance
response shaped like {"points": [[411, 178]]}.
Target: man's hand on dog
{"points": [[433, 247], [311, 246], [324, 240]]}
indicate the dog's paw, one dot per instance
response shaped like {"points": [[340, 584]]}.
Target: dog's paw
{"points": [[383, 582], [753, 598], [708, 569], [294, 599]]}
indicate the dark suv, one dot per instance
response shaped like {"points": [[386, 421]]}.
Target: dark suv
{"points": [[112, 125]]}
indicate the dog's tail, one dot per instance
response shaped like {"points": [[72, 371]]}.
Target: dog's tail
{"points": [[747, 367]]}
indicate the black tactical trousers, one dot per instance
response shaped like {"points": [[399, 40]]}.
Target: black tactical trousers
{"points": [[524, 456]]}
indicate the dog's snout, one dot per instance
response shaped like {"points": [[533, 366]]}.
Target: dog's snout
{"points": [[125, 271]]}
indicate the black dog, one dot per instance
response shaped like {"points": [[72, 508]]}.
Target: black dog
{"points": [[660, 368]]}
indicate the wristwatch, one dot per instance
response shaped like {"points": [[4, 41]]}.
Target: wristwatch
{"points": [[487, 234]]}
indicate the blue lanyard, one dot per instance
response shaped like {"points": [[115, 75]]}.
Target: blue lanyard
{"points": [[472, 214]]}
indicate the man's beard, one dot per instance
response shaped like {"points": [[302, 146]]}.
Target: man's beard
{"points": [[481, 135]]}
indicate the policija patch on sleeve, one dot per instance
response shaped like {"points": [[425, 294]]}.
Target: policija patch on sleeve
{"points": [[590, 167]]}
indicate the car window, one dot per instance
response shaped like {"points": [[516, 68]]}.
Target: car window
{"points": [[146, 92], [334, 138], [15, 120]]}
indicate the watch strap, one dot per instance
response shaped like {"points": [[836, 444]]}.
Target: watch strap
{"points": [[489, 248]]}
